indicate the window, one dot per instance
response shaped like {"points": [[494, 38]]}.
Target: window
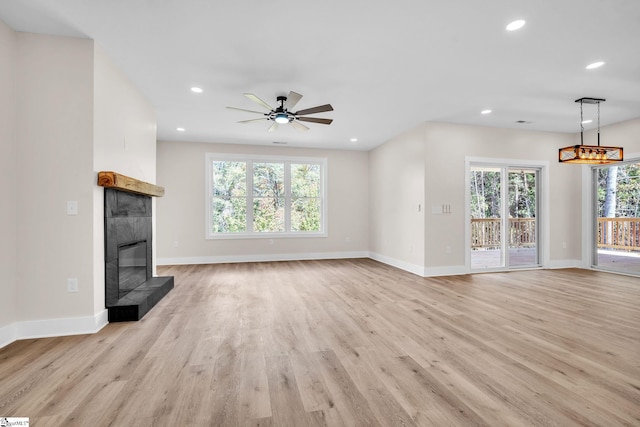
{"points": [[264, 196]]}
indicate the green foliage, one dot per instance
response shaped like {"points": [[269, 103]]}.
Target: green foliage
{"points": [[627, 191], [229, 215], [305, 180], [268, 214], [268, 197], [305, 214], [522, 194], [229, 179], [486, 193], [230, 198], [305, 197]]}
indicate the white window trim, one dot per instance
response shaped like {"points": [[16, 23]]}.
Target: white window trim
{"points": [[250, 159], [543, 204]]}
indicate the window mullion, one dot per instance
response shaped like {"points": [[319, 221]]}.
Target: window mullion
{"points": [[287, 196], [228, 217], [249, 196]]}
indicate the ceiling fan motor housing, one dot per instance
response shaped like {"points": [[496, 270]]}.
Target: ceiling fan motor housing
{"points": [[282, 115]]}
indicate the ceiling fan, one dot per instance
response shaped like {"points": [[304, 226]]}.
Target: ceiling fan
{"points": [[282, 114]]}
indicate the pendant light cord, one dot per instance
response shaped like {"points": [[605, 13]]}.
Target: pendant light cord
{"points": [[581, 125], [598, 123]]}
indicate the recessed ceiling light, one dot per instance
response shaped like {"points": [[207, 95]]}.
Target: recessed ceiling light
{"points": [[584, 122], [593, 65], [516, 25], [485, 112], [354, 140], [196, 89], [180, 129]]}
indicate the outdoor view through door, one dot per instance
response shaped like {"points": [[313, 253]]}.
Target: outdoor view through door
{"points": [[617, 217], [504, 218]]}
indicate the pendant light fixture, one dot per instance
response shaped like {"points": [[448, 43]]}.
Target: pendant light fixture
{"points": [[590, 154]]}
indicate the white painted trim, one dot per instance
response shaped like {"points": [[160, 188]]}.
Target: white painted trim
{"points": [[565, 263], [260, 258], [8, 334], [450, 270], [588, 214], [544, 235], [53, 328], [249, 159], [587, 217], [402, 265]]}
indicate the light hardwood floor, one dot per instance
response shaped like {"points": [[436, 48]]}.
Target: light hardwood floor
{"points": [[346, 342]]}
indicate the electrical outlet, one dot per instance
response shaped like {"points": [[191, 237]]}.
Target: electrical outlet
{"points": [[72, 285]]}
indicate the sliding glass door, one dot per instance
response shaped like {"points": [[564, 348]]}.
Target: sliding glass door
{"points": [[503, 212], [616, 244]]}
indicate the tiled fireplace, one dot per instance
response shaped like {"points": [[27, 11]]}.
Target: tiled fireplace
{"points": [[130, 288]]}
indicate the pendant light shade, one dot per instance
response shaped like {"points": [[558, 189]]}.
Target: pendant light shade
{"points": [[590, 154]]}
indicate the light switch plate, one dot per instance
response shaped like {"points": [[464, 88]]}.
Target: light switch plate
{"points": [[72, 207], [72, 285]]}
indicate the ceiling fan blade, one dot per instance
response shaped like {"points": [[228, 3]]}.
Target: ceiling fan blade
{"points": [[299, 126], [242, 109], [315, 120], [258, 101], [253, 120], [318, 109], [273, 127], [292, 100]]}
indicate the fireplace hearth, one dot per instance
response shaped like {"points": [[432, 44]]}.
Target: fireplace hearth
{"points": [[130, 288]]}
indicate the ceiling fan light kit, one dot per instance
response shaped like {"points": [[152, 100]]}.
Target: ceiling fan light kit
{"points": [[282, 114], [590, 154]]}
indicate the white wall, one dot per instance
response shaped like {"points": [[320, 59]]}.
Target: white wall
{"points": [[181, 212], [55, 133], [624, 134], [396, 180], [66, 112], [397, 204], [8, 182], [448, 145], [124, 141]]}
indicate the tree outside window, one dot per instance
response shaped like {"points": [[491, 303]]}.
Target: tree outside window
{"points": [[286, 196]]}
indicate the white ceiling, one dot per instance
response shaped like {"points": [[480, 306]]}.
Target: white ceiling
{"points": [[384, 66]]}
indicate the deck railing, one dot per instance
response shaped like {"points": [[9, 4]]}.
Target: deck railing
{"points": [[485, 233], [613, 233], [619, 233]]}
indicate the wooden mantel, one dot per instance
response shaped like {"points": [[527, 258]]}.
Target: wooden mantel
{"points": [[125, 183]]}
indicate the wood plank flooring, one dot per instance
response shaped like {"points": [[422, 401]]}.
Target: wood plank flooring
{"points": [[346, 342]]}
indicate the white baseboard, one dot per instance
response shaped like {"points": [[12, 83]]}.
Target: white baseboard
{"points": [[52, 328], [565, 263], [418, 270], [450, 270], [260, 258], [8, 334]]}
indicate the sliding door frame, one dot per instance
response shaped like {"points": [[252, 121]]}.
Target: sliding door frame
{"points": [[542, 208], [590, 217]]}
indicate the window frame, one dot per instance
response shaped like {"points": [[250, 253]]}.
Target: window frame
{"points": [[250, 159]]}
